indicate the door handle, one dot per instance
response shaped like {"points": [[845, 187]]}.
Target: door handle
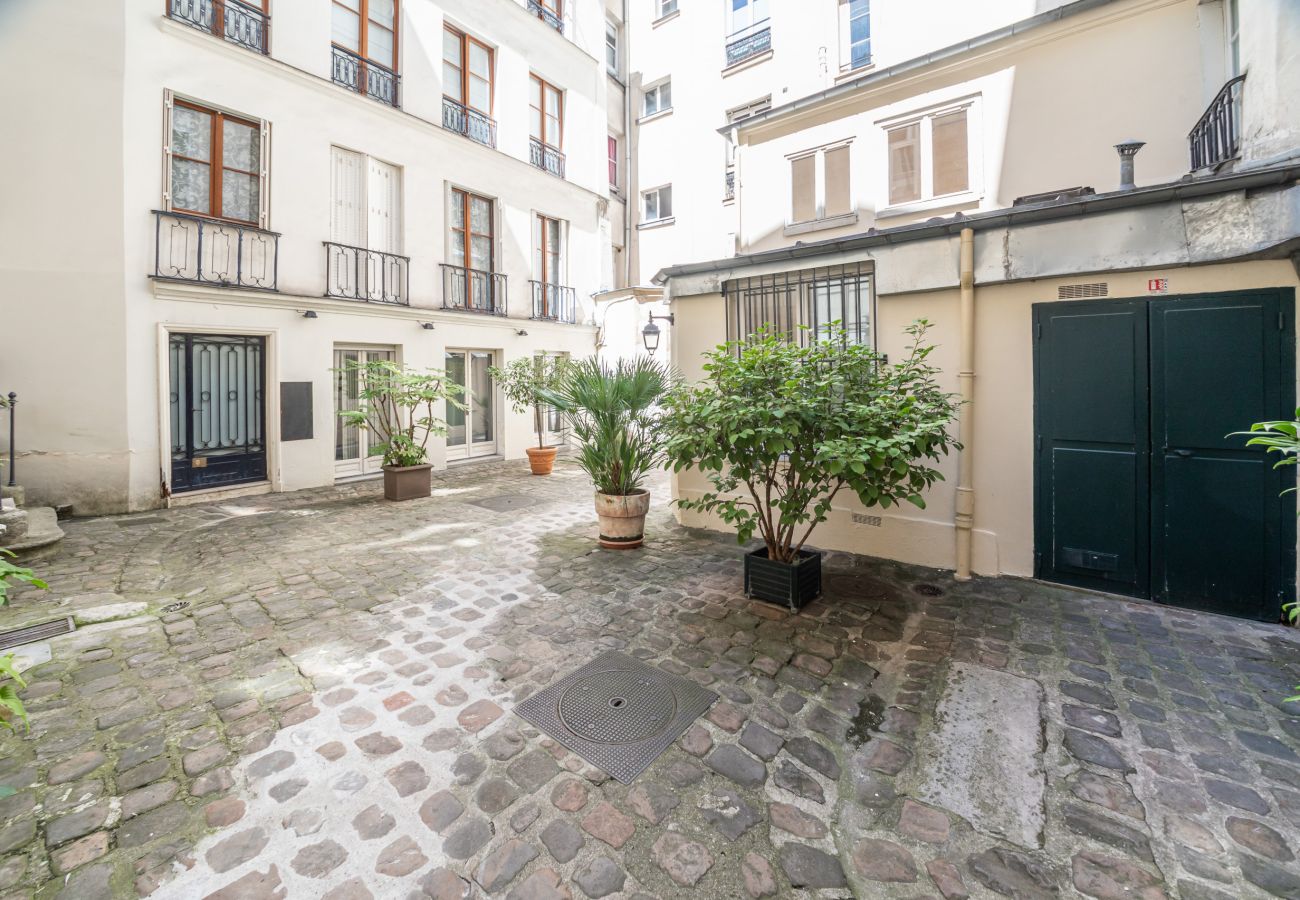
{"points": [[1179, 452]]}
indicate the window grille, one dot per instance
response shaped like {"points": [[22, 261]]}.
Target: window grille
{"points": [[801, 306]]}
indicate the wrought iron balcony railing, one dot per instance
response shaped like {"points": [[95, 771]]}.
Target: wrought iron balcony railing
{"points": [[469, 122], [1217, 136], [473, 290], [730, 184], [207, 251], [230, 20], [747, 42], [544, 156], [546, 15], [355, 273], [364, 77], [554, 302]]}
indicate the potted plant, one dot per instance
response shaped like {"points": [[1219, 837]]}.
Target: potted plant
{"points": [[610, 412], [523, 382], [780, 428], [398, 406]]}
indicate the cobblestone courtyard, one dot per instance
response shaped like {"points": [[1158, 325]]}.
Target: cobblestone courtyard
{"points": [[330, 716]]}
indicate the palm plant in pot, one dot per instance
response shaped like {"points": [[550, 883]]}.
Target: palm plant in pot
{"points": [[781, 427], [399, 407], [610, 410], [523, 382]]}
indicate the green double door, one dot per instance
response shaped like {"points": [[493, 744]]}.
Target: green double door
{"points": [[1138, 489]]}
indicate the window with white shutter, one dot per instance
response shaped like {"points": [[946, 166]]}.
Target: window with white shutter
{"points": [[215, 163]]}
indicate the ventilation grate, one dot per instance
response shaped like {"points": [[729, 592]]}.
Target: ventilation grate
{"points": [[1079, 291], [33, 633], [864, 519]]}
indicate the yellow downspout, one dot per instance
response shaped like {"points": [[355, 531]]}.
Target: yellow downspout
{"points": [[965, 512]]}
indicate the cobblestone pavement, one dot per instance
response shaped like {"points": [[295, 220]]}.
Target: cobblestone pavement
{"points": [[330, 716]]}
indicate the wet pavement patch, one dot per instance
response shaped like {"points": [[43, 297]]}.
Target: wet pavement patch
{"points": [[505, 502]]}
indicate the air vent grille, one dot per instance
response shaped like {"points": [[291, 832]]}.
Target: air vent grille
{"points": [[1079, 291], [864, 519]]}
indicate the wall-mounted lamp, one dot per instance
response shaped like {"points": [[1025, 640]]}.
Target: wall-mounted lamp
{"points": [[310, 314], [521, 333], [650, 334], [427, 326]]}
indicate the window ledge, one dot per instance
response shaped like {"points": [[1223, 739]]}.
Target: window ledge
{"points": [[668, 18], [747, 62], [903, 209], [655, 223], [821, 224], [655, 115], [850, 74]]}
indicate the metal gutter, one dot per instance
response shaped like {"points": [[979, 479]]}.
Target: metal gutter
{"points": [[1005, 218]]}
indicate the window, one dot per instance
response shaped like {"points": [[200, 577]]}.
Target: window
{"points": [[472, 231], [547, 108], [1232, 25], [368, 28], [666, 7], [611, 48], [658, 98], [658, 204], [550, 11], [815, 298], [215, 163], [547, 237], [855, 34], [819, 185], [467, 70], [747, 13], [929, 157], [365, 230], [613, 162]]}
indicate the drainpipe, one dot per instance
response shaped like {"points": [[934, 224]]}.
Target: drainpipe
{"points": [[965, 511]]}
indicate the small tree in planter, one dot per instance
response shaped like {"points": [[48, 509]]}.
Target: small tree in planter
{"points": [[524, 382], [400, 407], [781, 429]]}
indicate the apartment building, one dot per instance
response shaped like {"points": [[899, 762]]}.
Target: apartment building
{"points": [[225, 202], [1096, 205]]}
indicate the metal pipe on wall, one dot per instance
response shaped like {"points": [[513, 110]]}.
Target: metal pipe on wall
{"points": [[964, 517]]}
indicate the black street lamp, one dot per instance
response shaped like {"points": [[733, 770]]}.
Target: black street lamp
{"points": [[650, 334]]}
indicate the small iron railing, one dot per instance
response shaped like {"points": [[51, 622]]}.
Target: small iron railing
{"points": [[554, 302], [544, 156], [364, 77], [473, 290], [1217, 136], [208, 251], [229, 20], [356, 273], [747, 42], [546, 15], [730, 184], [473, 124]]}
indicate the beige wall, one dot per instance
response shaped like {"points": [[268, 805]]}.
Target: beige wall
{"points": [[1002, 444]]}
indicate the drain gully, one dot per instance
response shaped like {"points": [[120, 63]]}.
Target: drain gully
{"points": [[33, 633]]}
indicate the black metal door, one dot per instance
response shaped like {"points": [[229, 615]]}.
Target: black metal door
{"points": [[217, 413], [1138, 489]]}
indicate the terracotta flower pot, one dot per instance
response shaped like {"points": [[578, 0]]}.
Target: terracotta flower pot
{"points": [[622, 519], [541, 459], [407, 482]]}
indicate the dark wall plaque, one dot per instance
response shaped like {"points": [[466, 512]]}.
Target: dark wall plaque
{"points": [[295, 411]]}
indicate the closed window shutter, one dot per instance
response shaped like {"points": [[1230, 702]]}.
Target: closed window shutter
{"points": [[385, 213], [837, 182], [264, 177], [904, 164], [948, 140], [346, 213], [167, 150], [803, 189]]}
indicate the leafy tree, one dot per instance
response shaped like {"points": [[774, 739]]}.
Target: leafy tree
{"points": [[400, 407], [780, 428], [524, 382]]}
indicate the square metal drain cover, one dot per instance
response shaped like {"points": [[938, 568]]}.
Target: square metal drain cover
{"points": [[505, 502], [617, 713]]}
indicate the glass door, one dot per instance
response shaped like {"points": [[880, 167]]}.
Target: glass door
{"points": [[471, 432], [357, 451]]}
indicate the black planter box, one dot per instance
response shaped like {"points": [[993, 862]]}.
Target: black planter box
{"points": [[792, 585]]}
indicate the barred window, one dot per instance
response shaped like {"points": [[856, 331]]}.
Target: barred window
{"points": [[804, 305]]}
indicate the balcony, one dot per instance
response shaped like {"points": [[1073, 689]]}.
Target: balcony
{"points": [[473, 290], [554, 302], [355, 273], [546, 157], [206, 251], [546, 15], [1217, 136], [364, 77], [470, 122], [229, 20], [749, 42]]}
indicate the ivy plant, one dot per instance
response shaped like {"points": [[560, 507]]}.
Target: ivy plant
{"points": [[400, 407], [780, 428], [525, 381]]}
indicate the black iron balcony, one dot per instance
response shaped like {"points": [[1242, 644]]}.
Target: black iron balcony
{"points": [[546, 15], [355, 273], [1217, 136], [544, 156], [229, 20], [747, 42], [364, 77], [470, 122], [730, 185], [206, 251], [473, 290], [554, 302]]}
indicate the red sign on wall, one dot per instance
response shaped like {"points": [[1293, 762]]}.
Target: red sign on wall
{"points": [[1157, 285]]}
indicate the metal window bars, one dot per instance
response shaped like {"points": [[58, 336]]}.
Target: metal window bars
{"points": [[1217, 135], [473, 290], [802, 306], [749, 41], [364, 77], [208, 251], [554, 302], [546, 15], [473, 124], [229, 20], [546, 157], [356, 273]]}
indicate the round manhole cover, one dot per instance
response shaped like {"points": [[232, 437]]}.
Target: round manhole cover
{"points": [[617, 707]]}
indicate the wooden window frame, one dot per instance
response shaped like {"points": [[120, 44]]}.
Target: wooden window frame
{"points": [[924, 121], [559, 236], [363, 34], [537, 89], [613, 161], [216, 165], [465, 40], [466, 228]]}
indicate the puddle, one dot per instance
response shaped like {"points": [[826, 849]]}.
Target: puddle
{"points": [[871, 712]]}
